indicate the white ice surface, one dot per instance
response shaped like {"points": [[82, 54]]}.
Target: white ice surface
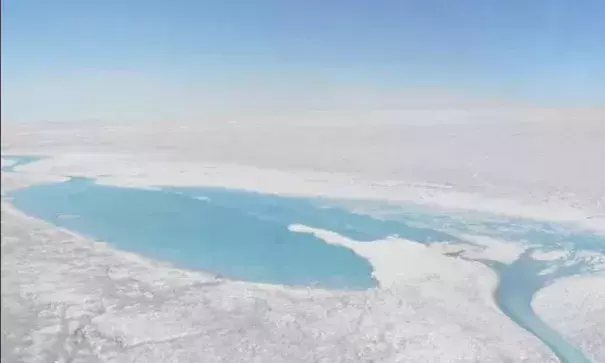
{"points": [[397, 262], [490, 248], [548, 256], [575, 306]]}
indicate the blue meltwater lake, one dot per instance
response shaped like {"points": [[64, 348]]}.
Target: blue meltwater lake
{"points": [[244, 235], [236, 234]]}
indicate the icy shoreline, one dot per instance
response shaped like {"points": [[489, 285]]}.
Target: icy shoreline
{"points": [[139, 171]]}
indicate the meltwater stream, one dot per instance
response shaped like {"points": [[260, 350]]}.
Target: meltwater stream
{"points": [[14, 161], [514, 300], [244, 235]]}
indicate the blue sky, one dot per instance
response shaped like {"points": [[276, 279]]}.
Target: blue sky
{"points": [[93, 59]]}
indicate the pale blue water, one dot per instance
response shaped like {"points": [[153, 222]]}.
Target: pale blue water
{"points": [[315, 213], [202, 234], [243, 235]]}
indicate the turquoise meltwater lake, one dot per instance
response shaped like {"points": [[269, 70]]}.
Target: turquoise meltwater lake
{"points": [[244, 235], [236, 234]]}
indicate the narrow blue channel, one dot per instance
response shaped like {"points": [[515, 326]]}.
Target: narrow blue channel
{"points": [[18, 161], [518, 283]]}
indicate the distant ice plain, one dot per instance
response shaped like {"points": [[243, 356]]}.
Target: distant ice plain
{"points": [[524, 171]]}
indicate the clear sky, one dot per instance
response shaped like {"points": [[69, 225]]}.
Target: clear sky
{"points": [[79, 59]]}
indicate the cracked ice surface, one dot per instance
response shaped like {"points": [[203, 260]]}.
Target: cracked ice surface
{"points": [[65, 298]]}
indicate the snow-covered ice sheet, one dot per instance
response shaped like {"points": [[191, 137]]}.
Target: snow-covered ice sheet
{"points": [[65, 297]]}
